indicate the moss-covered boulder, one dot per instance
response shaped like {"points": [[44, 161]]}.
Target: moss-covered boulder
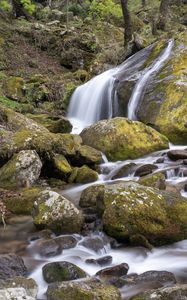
{"points": [[121, 139], [92, 195], [83, 290], [61, 165], [156, 180], [83, 175], [87, 155], [20, 284], [22, 170], [62, 271], [54, 124], [21, 201], [14, 88], [130, 209], [53, 211], [164, 104]]}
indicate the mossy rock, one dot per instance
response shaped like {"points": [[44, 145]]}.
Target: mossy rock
{"points": [[52, 123], [121, 139], [131, 209], [22, 201], [61, 165], [87, 155], [83, 175], [53, 211], [14, 88], [156, 180], [23, 169], [62, 271], [165, 101], [91, 196], [85, 290], [28, 284]]}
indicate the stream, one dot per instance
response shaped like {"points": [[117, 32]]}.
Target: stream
{"points": [[91, 102]]}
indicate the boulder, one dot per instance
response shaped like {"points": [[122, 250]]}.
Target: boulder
{"points": [[90, 196], [145, 170], [121, 139], [53, 211], [164, 104], [54, 124], [62, 271], [87, 155], [28, 286], [125, 170], [66, 242], [61, 166], [94, 243], [83, 175], [11, 266], [87, 290], [48, 247], [116, 271], [130, 209], [156, 180], [175, 292], [22, 170], [177, 154], [102, 261]]}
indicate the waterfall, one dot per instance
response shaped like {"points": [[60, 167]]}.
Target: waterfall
{"points": [[148, 72], [97, 98]]}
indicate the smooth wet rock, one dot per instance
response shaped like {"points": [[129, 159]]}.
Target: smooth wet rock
{"points": [[87, 290], [177, 154], [11, 265], [130, 208], [48, 248], [121, 139], [145, 170], [53, 211], [28, 284], [175, 292], [116, 271], [125, 171], [66, 242], [102, 261], [62, 271], [22, 170], [94, 243]]}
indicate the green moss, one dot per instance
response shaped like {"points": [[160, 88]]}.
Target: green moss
{"points": [[14, 88], [154, 180], [61, 164], [83, 175]]}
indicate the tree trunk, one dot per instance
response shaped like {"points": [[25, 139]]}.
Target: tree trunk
{"points": [[164, 10], [127, 22]]}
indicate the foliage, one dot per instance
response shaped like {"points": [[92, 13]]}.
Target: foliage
{"points": [[27, 4], [104, 9], [5, 5]]}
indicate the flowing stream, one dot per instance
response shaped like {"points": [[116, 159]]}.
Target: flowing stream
{"points": [[91, 102]]}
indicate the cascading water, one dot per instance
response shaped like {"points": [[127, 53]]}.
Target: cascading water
{"points": [[147, 73]]}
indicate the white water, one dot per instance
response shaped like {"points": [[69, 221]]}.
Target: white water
{"points": [[147, 73]]}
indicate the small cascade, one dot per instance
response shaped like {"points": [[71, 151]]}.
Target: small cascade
{"points": [[148, 72]]}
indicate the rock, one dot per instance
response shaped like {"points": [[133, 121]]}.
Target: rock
{"points": [[164, 102], [91, 195], [156, 180], [102, 261], [145, 170], [28, 284], [20, 202], [177, 154], [62, 271], [125, 171], [53, 211], [175, 292], [11, 265], [130, 208], [54, 124], [14, 88], [116, 271], [48, 248], [87, 290], [61, 166], [87, 155], [185, 161], [83, 175], [22, 170], [15, 293], [121, 139], [66, 242], [94, 243]]}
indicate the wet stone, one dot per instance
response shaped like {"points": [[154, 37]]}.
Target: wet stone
{"points": [[145, 170], [116, 271], [11, 265], [66, 242], [48, 248], [177, 154], [102, 261], [94, 243]]}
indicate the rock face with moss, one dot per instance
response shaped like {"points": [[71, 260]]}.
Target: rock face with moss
{"points": [[129, 210], [85, 290], [22, 170], [164, 104], [121, 139], [83, 175], [53, 211]]}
